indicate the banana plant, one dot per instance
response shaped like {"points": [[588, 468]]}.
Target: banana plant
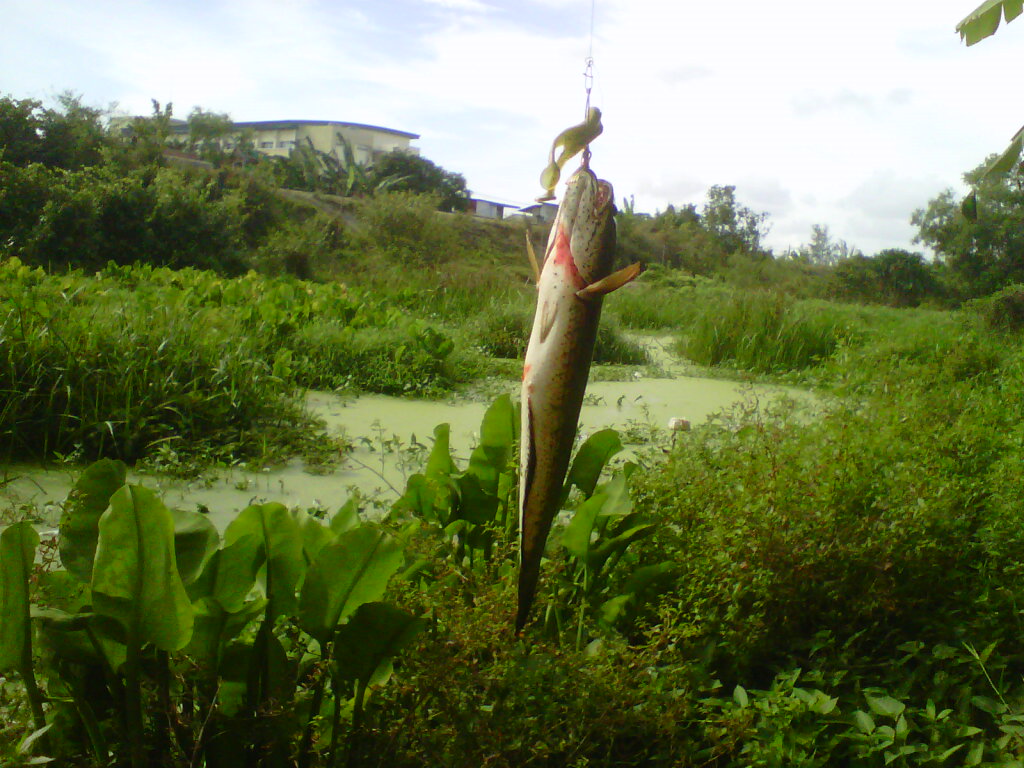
{"points": [[980, 23]]}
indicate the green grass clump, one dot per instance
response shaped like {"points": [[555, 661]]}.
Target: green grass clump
{"points": [[763, 332], [132, 358], [105, 380]]}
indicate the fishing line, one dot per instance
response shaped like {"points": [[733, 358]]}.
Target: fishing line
{"points": [[588, 72]]}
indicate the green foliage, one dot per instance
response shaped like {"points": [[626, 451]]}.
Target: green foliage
{"points": [[737, 227], [70, 136], [400, 170], [985, 254], [895, 277], [1002, 311], [763, 332], [172, 618], [131, 359], [406, 227]]}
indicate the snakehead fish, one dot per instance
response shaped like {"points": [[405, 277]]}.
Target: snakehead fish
{"points": [[576, 274]]}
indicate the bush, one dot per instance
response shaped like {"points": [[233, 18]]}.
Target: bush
{"points": [[407, 227], [1002, 311]]}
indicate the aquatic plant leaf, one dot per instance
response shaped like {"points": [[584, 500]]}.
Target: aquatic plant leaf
{"points": [[230, 574], [590, 461], [497, 438], [475, 504], [347, 517], [440, 465], [18, 544], [195, 541], [274, 526], [577, 535], [365, 645], [351, 570], [79, 523], [314, 534], [135, 578]]}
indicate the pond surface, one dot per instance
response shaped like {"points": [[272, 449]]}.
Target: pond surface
{"points": [[392, 437]]}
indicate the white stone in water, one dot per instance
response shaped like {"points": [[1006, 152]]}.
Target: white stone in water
{"points": [[679, 425]]}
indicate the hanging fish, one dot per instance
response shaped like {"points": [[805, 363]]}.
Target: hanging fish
{"points": [[576, 275]]}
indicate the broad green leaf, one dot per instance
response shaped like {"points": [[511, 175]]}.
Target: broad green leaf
{"points": [[440, 465], [497, 439], [863, 722], [18, 544], [79, 524], [349, 571], [986, 704], [739, 695], [475, 504], [886, 706], [314, 534], [648, 576], [347, 517], [373, 635], [591, 459], [577, 535], [274, 526], [950, 752], [984, 20], [214, 627], [231, 573], [1003, 164], [614, 609], [975, 754], [195, 540], [135, 579]]}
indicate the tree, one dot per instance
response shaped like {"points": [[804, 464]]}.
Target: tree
{"points": [[207, 129], [20, 139], [737, 227], [983, 254], [71, 136], [822, 250], [400, 170]]}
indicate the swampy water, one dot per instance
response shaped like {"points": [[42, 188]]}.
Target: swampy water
{"points": [[391, 437]]}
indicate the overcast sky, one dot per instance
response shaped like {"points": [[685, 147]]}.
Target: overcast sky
{"points": [[847, 114]]}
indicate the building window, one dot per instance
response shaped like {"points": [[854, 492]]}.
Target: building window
{"points": [[285, 144], [266, 145]]}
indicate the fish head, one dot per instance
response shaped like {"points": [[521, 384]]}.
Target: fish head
{"points": [[586, 220]]}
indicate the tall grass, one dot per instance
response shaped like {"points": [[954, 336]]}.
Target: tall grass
{"points": [[122, 362], [763, 332], [118, 381]]}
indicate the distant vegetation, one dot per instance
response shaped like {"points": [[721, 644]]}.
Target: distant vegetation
{"points": [[838, 584]]}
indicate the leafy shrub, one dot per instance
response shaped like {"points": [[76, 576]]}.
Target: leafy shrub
{"points": [[407, 226], [303, 250], [404, 359], [1002, 311], [504, 331]]}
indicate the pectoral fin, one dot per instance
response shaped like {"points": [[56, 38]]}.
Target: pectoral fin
{"points": [[608, 284], [533, 258]]}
